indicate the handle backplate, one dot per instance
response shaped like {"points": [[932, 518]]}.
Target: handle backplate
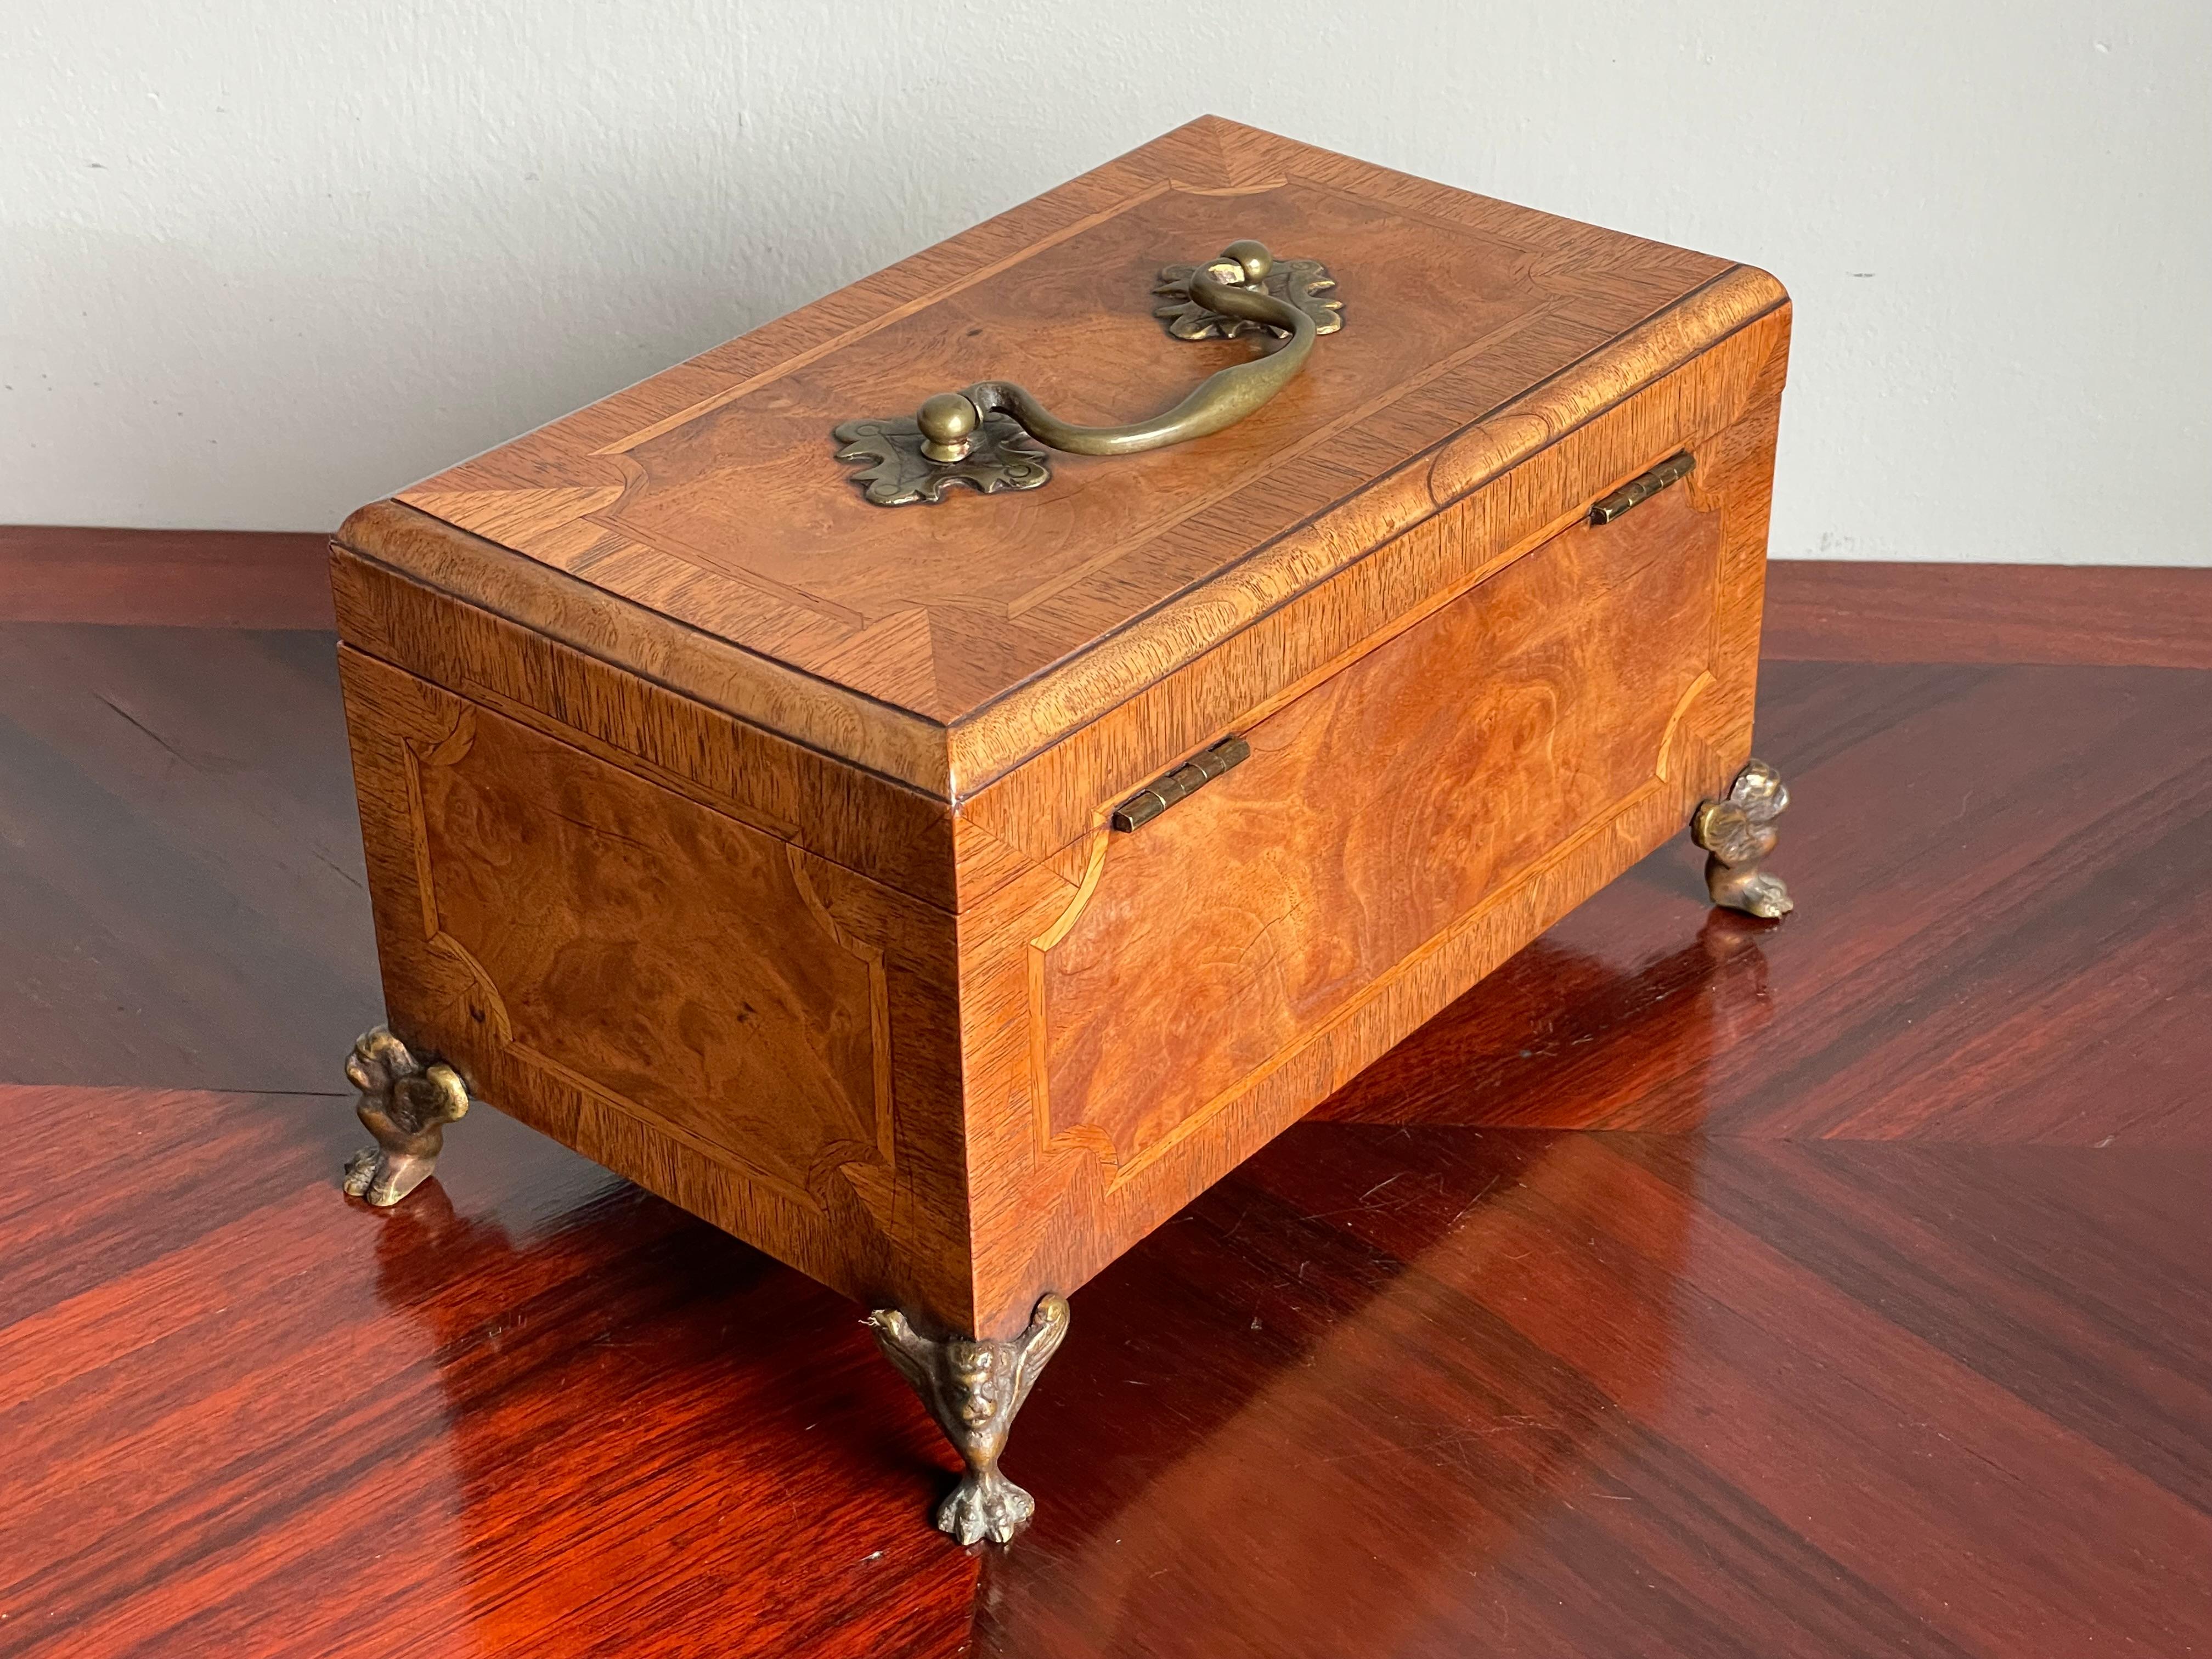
{"points": [[988, 437]]}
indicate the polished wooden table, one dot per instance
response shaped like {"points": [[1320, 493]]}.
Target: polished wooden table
{"points": [[1696, 1286]]}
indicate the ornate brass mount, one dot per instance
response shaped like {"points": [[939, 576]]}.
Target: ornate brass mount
{"points": [[1299, 282], [1738, 833], [980, 437], [973, 1388]]}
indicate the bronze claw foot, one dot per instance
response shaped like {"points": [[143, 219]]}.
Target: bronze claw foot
{"points": [[973, 1388], [1738, 833], [984, 1505], [406, 1105]]}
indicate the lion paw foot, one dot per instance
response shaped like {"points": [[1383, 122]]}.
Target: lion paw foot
{"points": [[1760, 894], [985, 1506], [384, 1178]]}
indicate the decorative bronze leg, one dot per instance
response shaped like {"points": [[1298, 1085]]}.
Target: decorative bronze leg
{"points": [[973, 1388], [1739, 832], [406, 1105]]}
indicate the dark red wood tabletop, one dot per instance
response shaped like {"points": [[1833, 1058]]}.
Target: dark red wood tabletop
{"points": [[1695, 1287]]}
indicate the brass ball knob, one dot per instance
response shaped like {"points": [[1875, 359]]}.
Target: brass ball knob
{"points": [[947, 418], [1255, 259], [948, 423]]}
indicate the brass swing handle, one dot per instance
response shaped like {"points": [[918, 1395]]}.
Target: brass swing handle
{"points": [[949, 421]]}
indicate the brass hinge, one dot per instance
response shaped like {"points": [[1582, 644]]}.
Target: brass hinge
{"points": [[1638, 490], [1200, 769]]}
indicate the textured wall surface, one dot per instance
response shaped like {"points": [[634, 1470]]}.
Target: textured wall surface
{"points": [[262, 261]]}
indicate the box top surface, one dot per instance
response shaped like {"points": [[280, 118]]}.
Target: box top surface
{"points": [[712, 494]]}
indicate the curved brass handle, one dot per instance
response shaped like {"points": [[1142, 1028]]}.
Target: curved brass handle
{"points": [[975, 436], [949, 420]]}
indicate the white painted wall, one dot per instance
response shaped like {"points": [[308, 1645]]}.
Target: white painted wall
{"points": [[262, 260]]}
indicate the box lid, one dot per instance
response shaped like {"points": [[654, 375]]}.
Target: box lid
{"points": [[699, 527]]}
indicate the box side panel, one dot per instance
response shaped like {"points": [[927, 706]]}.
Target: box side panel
{"points": [[756, 1033], [873, 824], [1136, 1026]]}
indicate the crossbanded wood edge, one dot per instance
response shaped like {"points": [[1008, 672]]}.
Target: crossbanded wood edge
{"points": [[1720, 403], [952, 762], [999, 737]]}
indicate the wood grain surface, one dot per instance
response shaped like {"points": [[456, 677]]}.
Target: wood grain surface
{"points": [[1884, 611], [850, 814], [1376, 812], [1724, 406], [759, 1034], [701, 517], [1816, 609], [1054, 1194], [181, 892], [170, 578], [1694, 1287]]}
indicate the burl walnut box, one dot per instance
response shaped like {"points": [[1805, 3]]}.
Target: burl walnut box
{"points": [[932, 831]]}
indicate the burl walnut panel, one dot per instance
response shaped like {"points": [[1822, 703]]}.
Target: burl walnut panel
{"points": [[1374, 812], [1658, 620], [700, 1006], [733, 1011]]}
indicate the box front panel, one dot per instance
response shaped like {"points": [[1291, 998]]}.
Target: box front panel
{"points": [[1146, 1009], [1374, 818], [699, 1005]]}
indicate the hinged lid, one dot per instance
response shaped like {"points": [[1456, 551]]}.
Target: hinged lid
{"points": [[701, 528]]}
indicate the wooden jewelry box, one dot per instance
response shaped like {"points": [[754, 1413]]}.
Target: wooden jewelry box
{"points": [[935, 857]]}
